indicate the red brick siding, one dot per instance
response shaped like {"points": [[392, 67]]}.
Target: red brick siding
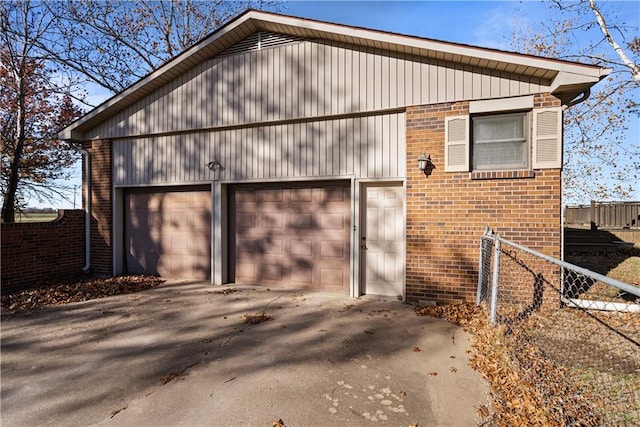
{"points": [[41, 252], [101, 206], [447, 211]]}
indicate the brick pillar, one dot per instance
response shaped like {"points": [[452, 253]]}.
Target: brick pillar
{"points": [[101, 205]]}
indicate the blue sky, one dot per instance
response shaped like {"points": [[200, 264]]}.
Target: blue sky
{"points": [[483, 23], [479, 23]]}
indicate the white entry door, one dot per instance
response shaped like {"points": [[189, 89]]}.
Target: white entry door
{"points": [[382, 240]]}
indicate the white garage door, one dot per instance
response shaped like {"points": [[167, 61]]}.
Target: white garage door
{"points": [[291, 236], [168, 232]]}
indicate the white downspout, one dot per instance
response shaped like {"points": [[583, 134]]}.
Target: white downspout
{"points": [[87, 209]]}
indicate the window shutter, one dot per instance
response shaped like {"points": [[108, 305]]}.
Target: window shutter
{"points": [[547, 138], [456, 144]]}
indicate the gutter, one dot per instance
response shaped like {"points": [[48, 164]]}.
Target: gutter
{"points": [[580, 98]]}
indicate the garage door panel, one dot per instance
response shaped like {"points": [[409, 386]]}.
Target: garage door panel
{"points": [[302, 248], [301, 275], [302, 195], [274, 247], [246, 246], [332, 195], [244, 197], [332, 221], [301, 221], [246, 272], [272, 196], [297, 237], [246, 220], [330, 249], [272, 272], [273, 220], [168, 232], [331, 276]]}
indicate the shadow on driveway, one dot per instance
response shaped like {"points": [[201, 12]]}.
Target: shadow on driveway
{"points": [[180, 354]]}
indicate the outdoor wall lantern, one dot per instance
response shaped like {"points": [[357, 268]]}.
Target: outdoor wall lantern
{"points": [[424, 162], [215, 166]]}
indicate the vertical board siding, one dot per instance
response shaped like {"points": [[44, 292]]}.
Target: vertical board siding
{"points": [[305, 79], [365, 147]]}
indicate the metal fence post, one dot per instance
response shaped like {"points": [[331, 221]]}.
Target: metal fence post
{"points": [[480, 272], [496, 277]]}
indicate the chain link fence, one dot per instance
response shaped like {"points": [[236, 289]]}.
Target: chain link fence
{"points": [[572, 334]]}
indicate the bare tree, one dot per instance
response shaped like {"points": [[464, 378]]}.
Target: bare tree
{"points": [[114, 44], [602, 157], [32, 111], [51, 49]]}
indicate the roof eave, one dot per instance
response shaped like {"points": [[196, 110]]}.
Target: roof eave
{"points": [[568, 86], [568, 77]]}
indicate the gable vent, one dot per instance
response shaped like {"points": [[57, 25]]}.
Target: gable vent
{"points": [[261, 40]]}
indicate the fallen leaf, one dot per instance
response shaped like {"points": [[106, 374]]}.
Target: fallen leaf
{"points": [[226, 291], [433, 374], [452, 357], [483, 411], [347, 307], [117, 411], [84, 290], [171, 376], [255, 318]]}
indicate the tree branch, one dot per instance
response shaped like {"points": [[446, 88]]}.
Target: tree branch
{"points": [[635, 70]]}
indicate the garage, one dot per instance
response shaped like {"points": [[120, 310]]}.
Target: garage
{"points": [[293, 236], [168, 232]]}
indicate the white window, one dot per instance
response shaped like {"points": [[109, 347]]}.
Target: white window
{"points": [[500, 142], [507, 141]]}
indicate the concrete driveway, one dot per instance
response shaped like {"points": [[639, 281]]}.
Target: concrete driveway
{"points": [[180, 354]]}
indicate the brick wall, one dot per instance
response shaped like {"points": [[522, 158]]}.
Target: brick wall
{"points": [[101, 206], [41, 252], [447, 211]]}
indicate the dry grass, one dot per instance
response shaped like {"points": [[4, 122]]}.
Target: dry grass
{"points": [[623, 265], [36, 217]]}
